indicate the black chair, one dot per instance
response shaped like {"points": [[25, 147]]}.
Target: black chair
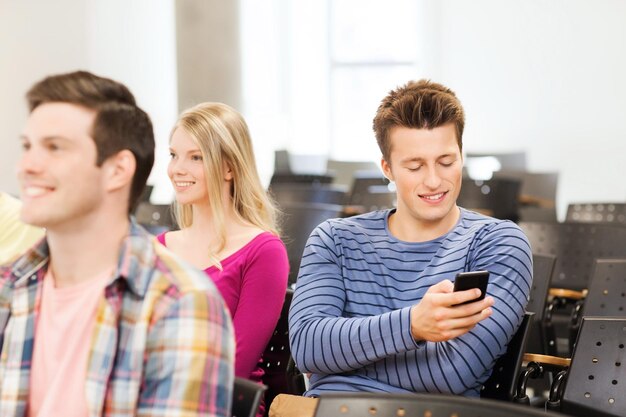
{"points": [[576, 247], [309, 193], [537, 195], [606, 295], [543, 268], [146, 193], [496, 197], [246, 397], [156, 218], [343, 171], [595, 381], [363, 180], [279, 376], [502, 383], [299, 220], [429, 405], [614, 213], [292, 178]]}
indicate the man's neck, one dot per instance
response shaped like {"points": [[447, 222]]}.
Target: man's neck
{"points": [[79, 253], [409, 229]]}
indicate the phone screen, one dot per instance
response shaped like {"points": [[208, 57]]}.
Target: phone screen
{"points": [[468, 280]]}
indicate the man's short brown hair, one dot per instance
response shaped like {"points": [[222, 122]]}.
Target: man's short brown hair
{"points": [[119, 124], [419, 104]]}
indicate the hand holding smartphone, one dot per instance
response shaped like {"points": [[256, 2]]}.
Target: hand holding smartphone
{"points": [[468, 280]]}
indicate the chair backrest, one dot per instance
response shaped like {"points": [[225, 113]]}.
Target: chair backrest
{"points": [[607, 289], [430, 405], [498, 197], [299, 220], [156, 218], [309, 193], [543, 267], [282, 164], [276, 357], [597, 213], [146, 193], [377, 197], [343, 171], [246, 397], [292, 178], [502, 383], [363, 180], [537, 195], [597, 375], [576, 247]]}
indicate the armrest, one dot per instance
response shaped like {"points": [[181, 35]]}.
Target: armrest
{"points": [[547, 359], [569, 294], [531, 200]]}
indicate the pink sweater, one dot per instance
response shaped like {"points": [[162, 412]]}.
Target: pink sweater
{"points": [[253, 283]]}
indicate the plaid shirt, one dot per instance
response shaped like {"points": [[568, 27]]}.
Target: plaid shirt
{"points": [[163, 342]]}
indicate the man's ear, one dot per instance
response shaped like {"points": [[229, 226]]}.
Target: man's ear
{"points": [[386, 169], [120, 169]]}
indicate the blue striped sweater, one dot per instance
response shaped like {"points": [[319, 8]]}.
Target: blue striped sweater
{"points": [[349, 319]]}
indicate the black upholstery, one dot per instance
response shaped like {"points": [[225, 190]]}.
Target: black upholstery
{"points": [[502, 383], [414, 405], [292, 178], [363, 180], [299, 220], [576, 247], [607, 290], [497, 197], [597, 375], [343, 171], [537, 195], [246, 398], [597, 213], [543, 267], [309, 193], [606, 295], [156, 218], [276, 359]]}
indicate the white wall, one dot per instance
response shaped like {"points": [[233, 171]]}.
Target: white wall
{"points": [[32, 45], [534, 75], [546, 77], [129, 41]]}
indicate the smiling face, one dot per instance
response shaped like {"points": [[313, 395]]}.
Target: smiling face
{"points": [[186, 169], [426, 165], [60, 182]]}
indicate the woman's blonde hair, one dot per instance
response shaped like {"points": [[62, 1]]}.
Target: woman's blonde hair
{"points": [[223, 137]]}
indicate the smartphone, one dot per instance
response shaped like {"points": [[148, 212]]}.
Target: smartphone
{"points": [[468, 280]]}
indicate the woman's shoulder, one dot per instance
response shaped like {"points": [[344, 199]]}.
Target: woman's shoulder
{"points": [[259, 239], [169, 238]]}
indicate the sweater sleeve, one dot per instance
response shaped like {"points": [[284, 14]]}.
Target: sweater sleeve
{"points": [[322, 341], [261, 299], [459, 364]]}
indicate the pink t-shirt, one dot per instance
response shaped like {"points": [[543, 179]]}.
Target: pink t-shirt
{"points": [[253, 283], [63, 333]]}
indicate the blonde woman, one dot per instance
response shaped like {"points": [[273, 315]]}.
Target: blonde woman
{"points": [[228, 224]]}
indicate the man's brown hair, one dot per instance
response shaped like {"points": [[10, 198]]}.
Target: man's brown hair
{"points": [[119, 124], [419, 104]]}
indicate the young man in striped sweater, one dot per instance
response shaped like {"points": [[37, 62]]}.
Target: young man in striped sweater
{"points": [[374, 308]]}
